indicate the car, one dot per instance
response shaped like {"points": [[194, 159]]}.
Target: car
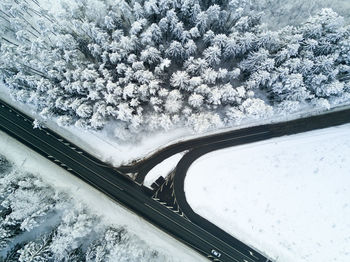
{"points": [[215, 253]]}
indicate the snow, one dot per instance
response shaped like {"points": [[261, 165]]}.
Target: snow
{"points": [[291, 12], [111, 212], [102, 144], [288, 197], [162, 169], [105, 147]]}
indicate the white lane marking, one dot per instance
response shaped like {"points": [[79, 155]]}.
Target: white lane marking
{"points": [[63, 154], [188, 230], [123, 189], [252, 254], [195, 225], [74, 148], [235, 138]]}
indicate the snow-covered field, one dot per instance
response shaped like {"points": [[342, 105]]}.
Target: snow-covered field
{"points": [[111, 212], [288, 197]]}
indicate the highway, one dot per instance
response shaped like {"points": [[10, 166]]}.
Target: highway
{"points": [[121, 189]]}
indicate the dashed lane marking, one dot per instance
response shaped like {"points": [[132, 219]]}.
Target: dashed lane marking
{"points": [[234, 259], [38, 138]]}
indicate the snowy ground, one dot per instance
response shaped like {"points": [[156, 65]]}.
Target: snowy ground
{"points": [[111, 212], [288, 197], [102, 144], [162, 169]]}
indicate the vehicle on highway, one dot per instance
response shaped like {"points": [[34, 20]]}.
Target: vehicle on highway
{"points": [[215, 253]]}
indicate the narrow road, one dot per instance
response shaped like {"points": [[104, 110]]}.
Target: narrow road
{"points": [[119, 188]]}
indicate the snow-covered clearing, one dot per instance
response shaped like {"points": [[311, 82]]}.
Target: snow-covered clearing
{"points": [[162, 169], [288, 197], [111, 212]]}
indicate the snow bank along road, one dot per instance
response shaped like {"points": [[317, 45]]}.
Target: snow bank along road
{"points": [[120, 188]]}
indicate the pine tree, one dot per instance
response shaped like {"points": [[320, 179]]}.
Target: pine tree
{"points": [[99, 62]]}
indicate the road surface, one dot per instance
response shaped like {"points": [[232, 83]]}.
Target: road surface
{"points": [[239, 137], [121, 189], [201, 146]]}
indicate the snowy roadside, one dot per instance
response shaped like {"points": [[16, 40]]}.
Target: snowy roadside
{"points": [[288, 196], [110, 211], [142, 79], [162, 169], [103, 146]]}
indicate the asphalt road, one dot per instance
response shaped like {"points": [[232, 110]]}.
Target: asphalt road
{"points": [[263, 133], [238, 137], [121, 189], [200, 146]]}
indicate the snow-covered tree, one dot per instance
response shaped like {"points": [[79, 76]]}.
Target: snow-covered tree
{"points": [[195, 100], [70, 231], [76, 225], [36, 251], [180, 79], [100, 61]]}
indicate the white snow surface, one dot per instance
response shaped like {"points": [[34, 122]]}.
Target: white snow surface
{"points": [[111, 212], [162, 169], [107, 148], [102, 144], [288, 197]]}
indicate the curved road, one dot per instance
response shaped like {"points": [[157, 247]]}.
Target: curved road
{"points": [[287, 128], [200, 146], [195, 232], [239, 137], [119, 188]]}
